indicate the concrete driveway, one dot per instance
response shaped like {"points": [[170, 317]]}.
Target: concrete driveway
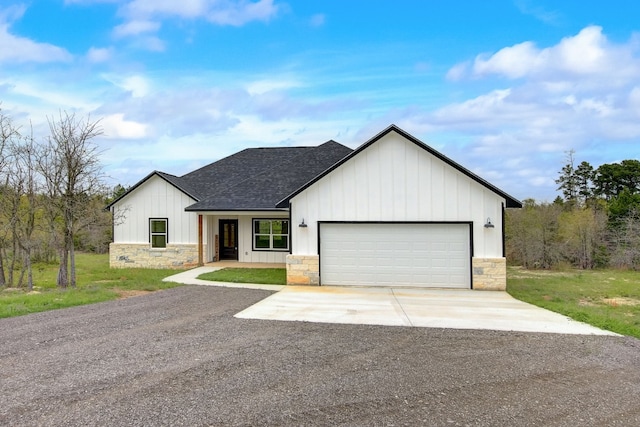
{"points": [[457, 309]]}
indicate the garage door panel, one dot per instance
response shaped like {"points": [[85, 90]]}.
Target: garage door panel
{"points": [[422, 255]]}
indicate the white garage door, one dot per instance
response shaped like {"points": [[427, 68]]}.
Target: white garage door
{"points": [[417, 255]]}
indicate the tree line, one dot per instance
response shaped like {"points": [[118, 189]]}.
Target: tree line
{"points": [[594, 224], [51, 198]]}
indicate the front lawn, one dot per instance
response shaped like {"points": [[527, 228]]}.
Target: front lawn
{"points": [[608, 299], [267, 276], [96, 282]]}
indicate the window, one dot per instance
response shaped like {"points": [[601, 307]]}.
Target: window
{"points": [[158, 234], [270, 235]]}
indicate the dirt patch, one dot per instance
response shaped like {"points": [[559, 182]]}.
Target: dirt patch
{"points": [[522, 273], [615, 302], [122, 293], [20, 290]]}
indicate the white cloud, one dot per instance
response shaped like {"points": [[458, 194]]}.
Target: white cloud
{"points": [[135, 27], [634, 100], [115, 126], [137, 85], [98, 55], [48, 98], [183, 8], [587, 54], [458, 71], [16, 49], [220, 12], [238, 13], [514, 62], [538, 12], [150, 43]]}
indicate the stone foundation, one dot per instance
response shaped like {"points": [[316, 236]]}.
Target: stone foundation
{"points": [[489, 274], [129, 255], [303, 270]]}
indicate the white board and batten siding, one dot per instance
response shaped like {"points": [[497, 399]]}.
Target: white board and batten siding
{"points": [[394, 180], [155, 198]]}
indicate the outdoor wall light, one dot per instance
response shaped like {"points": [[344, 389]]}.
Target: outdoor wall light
{"points": [[488, 224], [302, 224]]}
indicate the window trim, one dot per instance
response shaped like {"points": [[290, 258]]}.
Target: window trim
{"points": [[270, 248], [165, 234]]}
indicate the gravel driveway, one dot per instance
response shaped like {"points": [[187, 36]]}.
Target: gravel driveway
{"points": [[179, 357]]}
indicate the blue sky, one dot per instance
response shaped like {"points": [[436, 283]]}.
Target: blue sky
{"points": [[504, 87]]}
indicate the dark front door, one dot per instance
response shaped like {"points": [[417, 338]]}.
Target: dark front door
{"points": [[228, 239]]}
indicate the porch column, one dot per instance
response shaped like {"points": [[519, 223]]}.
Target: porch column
{"points": [[200, 256]]}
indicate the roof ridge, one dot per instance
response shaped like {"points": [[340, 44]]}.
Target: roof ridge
{"points": [[239, 152], [263, 171]]}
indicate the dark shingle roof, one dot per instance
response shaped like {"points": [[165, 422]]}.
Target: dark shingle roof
{"points": [[180, 184], [257, 179], [252, 179]]}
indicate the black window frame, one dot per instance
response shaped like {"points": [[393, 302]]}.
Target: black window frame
{"points": [[271, 247], [165, 233]]}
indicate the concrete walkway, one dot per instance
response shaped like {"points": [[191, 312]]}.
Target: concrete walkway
{"points": [[435, 308], [190, 277]]}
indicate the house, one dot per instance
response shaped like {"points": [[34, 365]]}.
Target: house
{"points": [[394, 212]]}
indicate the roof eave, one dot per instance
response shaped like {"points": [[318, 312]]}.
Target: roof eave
{"points": [[196, 209], [145, 179], [511, 202]]}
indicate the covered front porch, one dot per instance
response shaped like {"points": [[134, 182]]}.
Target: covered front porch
{"points": [[247, 238]]}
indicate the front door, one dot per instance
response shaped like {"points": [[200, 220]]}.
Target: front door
{"points": [[229, 239]]}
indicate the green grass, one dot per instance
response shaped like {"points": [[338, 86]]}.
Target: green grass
{"points": [[267, 276], [608, 299], [96, 283]]}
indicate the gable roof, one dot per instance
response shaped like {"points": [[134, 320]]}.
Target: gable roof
{"points": [[171, 179], [511, 202], [252, 179]]}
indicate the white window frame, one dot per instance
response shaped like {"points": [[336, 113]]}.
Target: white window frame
{"points": [[165, 233], [271, 234]]}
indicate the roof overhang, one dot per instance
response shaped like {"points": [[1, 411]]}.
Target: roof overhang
{"points": [[511, 202], [238, 212], [159, 174]]}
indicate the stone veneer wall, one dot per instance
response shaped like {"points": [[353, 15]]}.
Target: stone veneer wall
{"points": [[131, 255], [489, 274], [303, 270]]}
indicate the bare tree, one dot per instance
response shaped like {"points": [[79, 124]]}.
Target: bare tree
{"points": [[531, 235], [26, 186], [625, 242], [582, 233], [8, 135], [72, 174]]}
